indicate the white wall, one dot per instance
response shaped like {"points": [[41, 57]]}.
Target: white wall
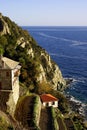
{"points": [[48, 104], [15, 86]]}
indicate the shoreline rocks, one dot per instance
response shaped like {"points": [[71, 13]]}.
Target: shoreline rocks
{"points": [[69, 81], [77, 106]]}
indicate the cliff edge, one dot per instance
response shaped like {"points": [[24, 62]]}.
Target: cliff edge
{"points": [[37, 66]]}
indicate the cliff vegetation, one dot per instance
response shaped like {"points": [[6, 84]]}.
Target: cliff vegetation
{"points": [[37, 66], [39, 74]]}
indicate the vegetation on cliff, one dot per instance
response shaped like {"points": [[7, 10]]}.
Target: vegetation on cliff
{"points": [[37, 65], [39, 74]]}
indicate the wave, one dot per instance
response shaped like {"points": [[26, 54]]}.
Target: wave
{"points": [[81, 80], [78, 43], [75, 43], [57, 38], [66, 56], [75, 81]]}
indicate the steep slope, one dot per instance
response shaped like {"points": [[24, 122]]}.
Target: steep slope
{"points": [[38, 72], [37, 66], [8, 123]]}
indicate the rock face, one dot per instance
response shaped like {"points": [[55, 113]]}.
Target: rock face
{"points": [[37, 66], [4, 29], [50, 72]]}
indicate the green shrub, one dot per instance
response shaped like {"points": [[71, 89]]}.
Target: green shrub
{"points": [[54, 119]]}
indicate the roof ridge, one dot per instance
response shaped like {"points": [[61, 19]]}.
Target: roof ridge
{"points": [[10, 63], [48, 98]]}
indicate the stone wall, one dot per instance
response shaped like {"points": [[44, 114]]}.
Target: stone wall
{"points": [[16, 90], [5, 79], [7, 103], [37, 110], [4, 96]]}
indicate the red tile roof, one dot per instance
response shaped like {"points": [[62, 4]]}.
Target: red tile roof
{"points": [[48, 98]]}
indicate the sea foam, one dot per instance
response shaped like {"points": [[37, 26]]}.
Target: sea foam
{"points": [[78, 106]]}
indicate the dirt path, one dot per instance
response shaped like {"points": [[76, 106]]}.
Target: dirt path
{"points": [[45, 119]]}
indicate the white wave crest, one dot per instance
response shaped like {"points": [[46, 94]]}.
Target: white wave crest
{"points": [[67, 56], [74, 42], [75, 100], [78, 43]]}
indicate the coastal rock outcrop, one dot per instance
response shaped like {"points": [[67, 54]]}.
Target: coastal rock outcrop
{"points": [[37, 66], [4, 29]]}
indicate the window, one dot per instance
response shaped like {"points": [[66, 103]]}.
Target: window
{"points": [[53, 103], [47, 104], [7, 74]]}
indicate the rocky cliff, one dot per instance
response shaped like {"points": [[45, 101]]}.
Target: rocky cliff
{"points": [[38, 70], [4, 29], [37, 66]]}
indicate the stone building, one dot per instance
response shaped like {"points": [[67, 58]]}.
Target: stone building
{"points": [[9, 80]]}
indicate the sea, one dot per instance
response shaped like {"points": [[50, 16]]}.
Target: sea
{"points": [[67, 46]]}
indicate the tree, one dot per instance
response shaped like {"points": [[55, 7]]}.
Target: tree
{"points": [[1, 50], [3, 41]]}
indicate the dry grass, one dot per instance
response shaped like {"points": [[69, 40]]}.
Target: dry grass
{"points": [[5, 123]]}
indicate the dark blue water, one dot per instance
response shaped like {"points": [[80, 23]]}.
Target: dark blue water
{"points": [[68, 48]]}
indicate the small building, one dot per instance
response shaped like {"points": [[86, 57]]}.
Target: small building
{"points": [[9, 77], [49, 100]]}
